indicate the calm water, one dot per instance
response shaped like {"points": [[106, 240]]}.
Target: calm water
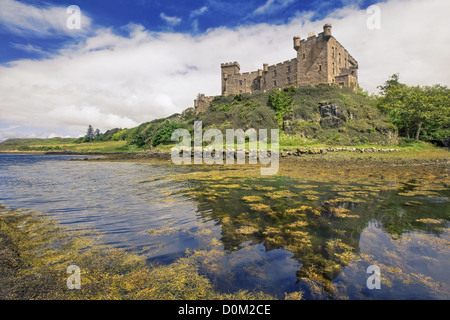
{"points": [[310, 229]]}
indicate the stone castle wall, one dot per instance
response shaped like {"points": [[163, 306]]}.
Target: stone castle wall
{"points": [[202, 103], [320, 59]]}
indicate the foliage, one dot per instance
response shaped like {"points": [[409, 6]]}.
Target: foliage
{"points": [[241, 111], [281, 102], [89, 134], [108, 135], [163, 135], [419, 112], [120, 135]]}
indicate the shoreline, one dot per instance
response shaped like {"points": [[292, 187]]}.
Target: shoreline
{"points": [[340, 156]]}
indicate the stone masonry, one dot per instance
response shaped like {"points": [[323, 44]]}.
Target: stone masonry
{"points": [[321, 59]]}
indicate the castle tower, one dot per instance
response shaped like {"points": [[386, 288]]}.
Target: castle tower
{"points": [[327, 30], [228, 70]]}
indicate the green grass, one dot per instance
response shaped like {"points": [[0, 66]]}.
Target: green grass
{"points": [[35, 142], [409, 149], [58, 144]]}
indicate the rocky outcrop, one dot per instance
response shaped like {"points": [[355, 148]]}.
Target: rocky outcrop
{"points": [[332, 116]]}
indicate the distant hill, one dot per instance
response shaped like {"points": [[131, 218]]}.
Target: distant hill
{"points": [[16, 143], [35, 141]]}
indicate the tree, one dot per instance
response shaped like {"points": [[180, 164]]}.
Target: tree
{"points": [[96, 133], [164, 134], [281, 102], [89, 133], [417, 111]]}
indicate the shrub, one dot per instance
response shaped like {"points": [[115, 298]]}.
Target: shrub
{"points": [[164, 134]]}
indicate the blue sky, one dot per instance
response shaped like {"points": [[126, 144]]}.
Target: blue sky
{"points": [[136, 60], [185, 16]]}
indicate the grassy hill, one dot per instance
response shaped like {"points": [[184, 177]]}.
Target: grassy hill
{"points": [[307, 115], [320, 115]]}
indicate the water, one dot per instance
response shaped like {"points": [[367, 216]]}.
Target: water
{"points": [[309, 228]]}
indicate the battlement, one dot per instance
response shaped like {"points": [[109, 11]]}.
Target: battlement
{"points": [[230, 64], [280, 64]]}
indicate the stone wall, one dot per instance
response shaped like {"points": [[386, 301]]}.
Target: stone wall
{"points": [[269, 77], [281, 75], [312, 61], [202, 103], [320, 59]]}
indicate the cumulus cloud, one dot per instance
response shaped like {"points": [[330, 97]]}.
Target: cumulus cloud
{"points": [[110, 80]]}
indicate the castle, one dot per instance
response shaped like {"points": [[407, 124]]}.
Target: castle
{"points": [[320, 59]]}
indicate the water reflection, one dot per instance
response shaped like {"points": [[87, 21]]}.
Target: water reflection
{"points": [[323, 224], [310, 228]]}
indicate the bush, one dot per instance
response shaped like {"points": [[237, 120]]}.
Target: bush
{"points": [[281, 102], [164, 134], [121, 135]]}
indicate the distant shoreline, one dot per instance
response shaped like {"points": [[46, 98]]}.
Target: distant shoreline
{"points": [[396, 158]]}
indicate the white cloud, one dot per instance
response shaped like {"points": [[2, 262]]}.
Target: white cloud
{"points": [[29, 48], [173, 21], [198, 12], [24, 19], [109, 80], [271, 6]]}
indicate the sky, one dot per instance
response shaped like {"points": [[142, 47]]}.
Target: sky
{"points": [[125, 62]]}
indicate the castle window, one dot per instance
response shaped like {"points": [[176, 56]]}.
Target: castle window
{"points": [[332, 52], [333, 67], [303, 56], [274, 83], [274, 73], [320, 67], [339, 58], [288, 68], [288, 80], [240, 82]]}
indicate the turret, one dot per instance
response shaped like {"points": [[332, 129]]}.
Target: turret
{"points": [[296, 43], [230, 68], [327, 30]]}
